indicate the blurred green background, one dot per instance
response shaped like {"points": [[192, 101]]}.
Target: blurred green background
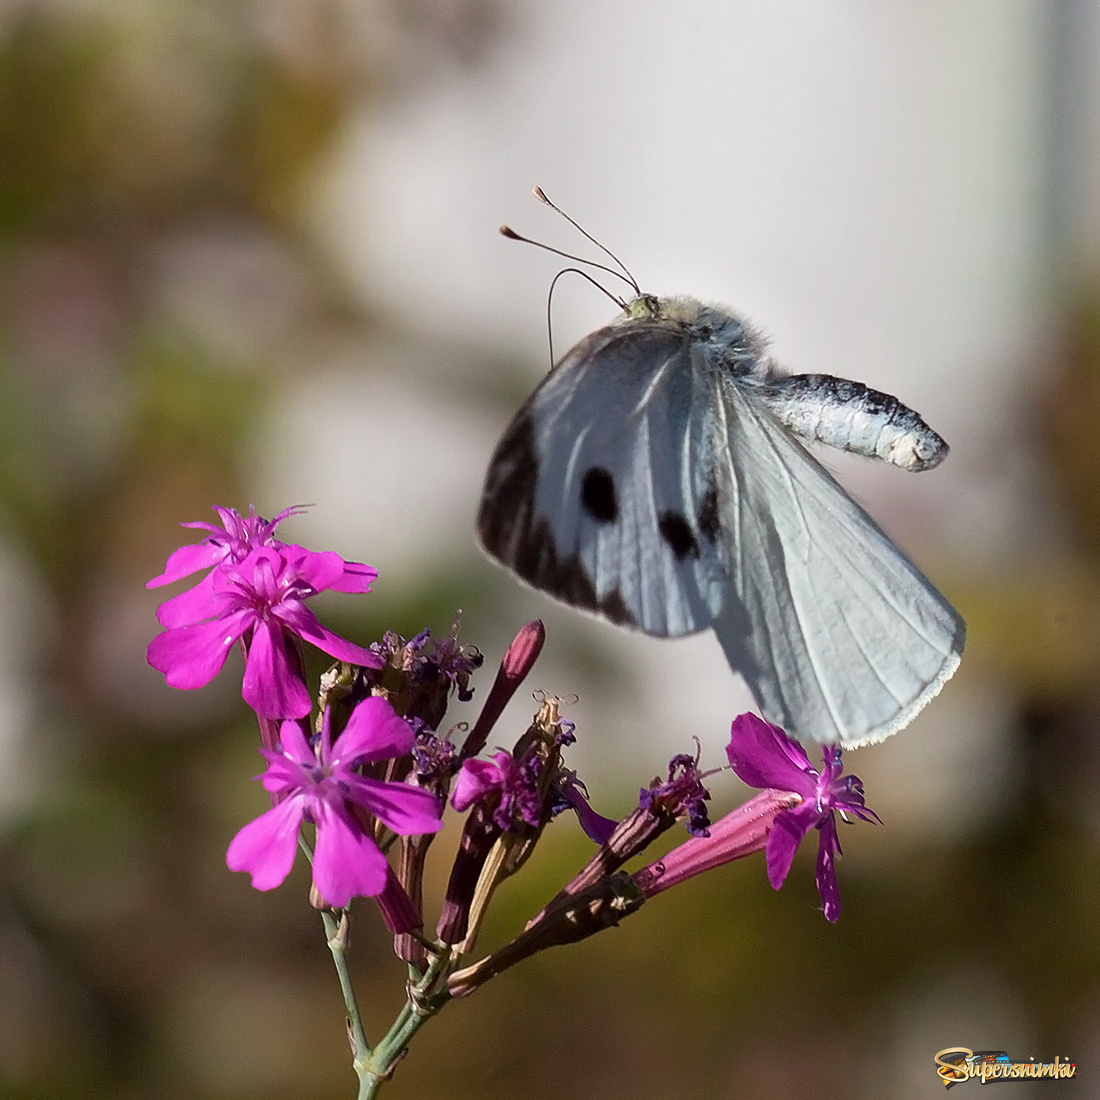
{"points": [[193, 312]]}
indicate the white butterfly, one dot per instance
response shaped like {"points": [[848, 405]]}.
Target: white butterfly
{"points": [[655, 479]]}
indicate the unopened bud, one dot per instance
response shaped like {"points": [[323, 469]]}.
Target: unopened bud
{"points": [[516, 664]]}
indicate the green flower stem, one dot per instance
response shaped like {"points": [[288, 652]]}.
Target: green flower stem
{"points": [[427, 994], [336, 935], [336, 932]]}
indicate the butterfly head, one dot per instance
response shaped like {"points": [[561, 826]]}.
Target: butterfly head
{"points": [[703, 320], [644, 307]]}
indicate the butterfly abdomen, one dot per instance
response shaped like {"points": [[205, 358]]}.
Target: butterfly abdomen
{"points": [[853, 417]]}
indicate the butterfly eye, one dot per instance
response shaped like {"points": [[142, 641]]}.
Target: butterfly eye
{"points": [[645, 305]]}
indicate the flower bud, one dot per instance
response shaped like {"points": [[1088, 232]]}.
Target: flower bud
{"points": [[517, 662]]}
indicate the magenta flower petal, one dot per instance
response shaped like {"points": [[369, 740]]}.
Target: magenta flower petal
{"points": [[374, 732], [191, 606], [187, 560], [282, 774], [191, 656], [595, 826], [301, 621], [762, 755], [474, 779], [407, 810], [270, 687], [294, 744], [356, 579], [786, 835], [265, 847], [320, 569], [346, 861], [825, 876]]}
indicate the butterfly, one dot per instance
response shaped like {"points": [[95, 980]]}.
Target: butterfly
{"points": [[658, 478]]}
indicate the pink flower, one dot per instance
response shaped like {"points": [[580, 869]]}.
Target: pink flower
{"points": [[228, 545], [324, 787], [511, 785], [512, 790], [234, 539], [261, 599], [764, 756]]}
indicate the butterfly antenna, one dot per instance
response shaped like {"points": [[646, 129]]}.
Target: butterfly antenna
{"points": [[512, 235], [550, 301], [540, 194]]}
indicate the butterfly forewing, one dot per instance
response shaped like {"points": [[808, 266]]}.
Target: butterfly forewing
{"points": [[594, 493]]}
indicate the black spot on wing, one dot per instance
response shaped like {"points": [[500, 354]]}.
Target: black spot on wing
{"points": [[677, 532], [598, 495], [709, 522], [510, 532]]}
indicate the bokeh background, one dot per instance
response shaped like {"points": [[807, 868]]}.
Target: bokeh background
{"points": [[248, 255]]}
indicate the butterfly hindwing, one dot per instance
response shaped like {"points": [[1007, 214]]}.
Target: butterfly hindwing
{"points": [[839, 636], [598, 492]]}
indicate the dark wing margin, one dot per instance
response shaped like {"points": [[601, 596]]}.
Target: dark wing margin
{"points": [[511, 532]]}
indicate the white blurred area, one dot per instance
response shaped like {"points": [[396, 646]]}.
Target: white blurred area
{"points": [[871, 184]]}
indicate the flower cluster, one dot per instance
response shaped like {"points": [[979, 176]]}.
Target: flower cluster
{"points": [[369, 778], [254, 594]]}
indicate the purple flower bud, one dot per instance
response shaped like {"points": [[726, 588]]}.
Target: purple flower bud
{"points": [[518, 661]]}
